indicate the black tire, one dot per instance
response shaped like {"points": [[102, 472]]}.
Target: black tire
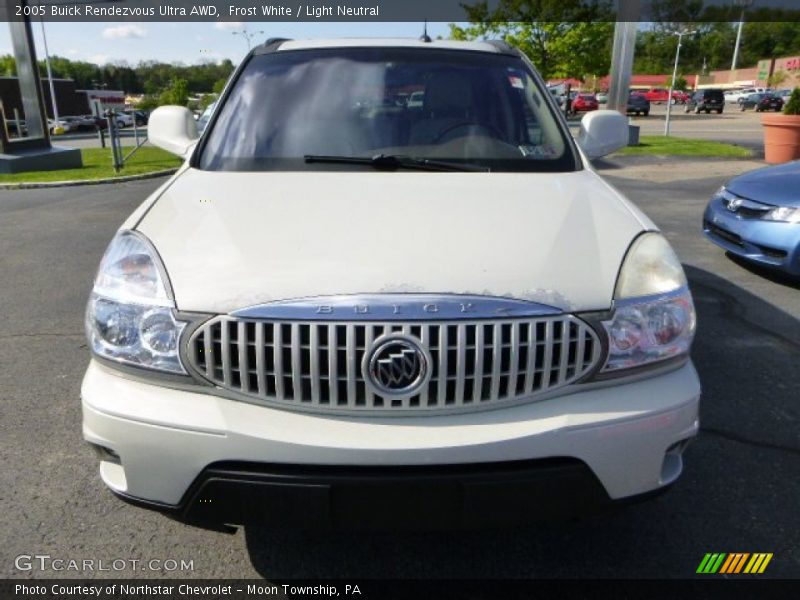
{"points": [[708, 111], [719, 111], [647, 113]]}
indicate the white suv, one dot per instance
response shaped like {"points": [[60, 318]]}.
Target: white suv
{"points": [[346, 310]]}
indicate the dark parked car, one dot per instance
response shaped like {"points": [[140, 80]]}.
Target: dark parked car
{"points": [[756, 216], [140, 116], [78, 124], [99, 122], [638, 104], [761, 102], [706, 101]]}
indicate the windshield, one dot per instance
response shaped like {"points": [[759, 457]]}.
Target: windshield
{"points": [[457, 106]]}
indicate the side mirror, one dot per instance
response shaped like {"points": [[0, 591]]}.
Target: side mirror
{"points": [[602, 132], [173, 128]]}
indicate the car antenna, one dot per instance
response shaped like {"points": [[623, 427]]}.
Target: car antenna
{"points": [[425, 37]]}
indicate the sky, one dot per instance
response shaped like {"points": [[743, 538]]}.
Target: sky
{"points": [[191, 43]]}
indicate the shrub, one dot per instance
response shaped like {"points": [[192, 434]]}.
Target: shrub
{"points": [[792, 107]]}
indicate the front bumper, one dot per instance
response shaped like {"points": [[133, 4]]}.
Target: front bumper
{"points": [[168, 448], [768, 243]]}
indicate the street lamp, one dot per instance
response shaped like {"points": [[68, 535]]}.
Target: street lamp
{"points": [[680, 35], [744, 4], [247, 36], [49, 75]]}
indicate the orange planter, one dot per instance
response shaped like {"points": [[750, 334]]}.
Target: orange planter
{"points": [[781, 137]]}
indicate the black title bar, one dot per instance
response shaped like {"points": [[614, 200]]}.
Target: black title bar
{"points": [[400, 10]]}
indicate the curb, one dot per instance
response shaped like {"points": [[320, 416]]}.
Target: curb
{"points": [[54, 184]]}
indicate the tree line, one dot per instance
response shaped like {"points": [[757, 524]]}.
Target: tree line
{"points": [[573, 38], [148, 77]]}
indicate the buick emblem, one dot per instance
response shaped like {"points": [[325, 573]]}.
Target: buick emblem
{"points": [[396, 366]]}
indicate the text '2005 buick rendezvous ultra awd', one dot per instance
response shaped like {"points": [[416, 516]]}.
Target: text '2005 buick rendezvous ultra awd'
{"points": [[351, 308]]}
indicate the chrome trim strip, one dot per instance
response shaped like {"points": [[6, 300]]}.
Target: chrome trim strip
{"points": [[396, 307]]}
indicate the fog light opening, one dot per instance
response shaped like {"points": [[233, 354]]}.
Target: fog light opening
{"points": [[106, 454]]}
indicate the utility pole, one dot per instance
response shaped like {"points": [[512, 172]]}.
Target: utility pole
{"points": [[248, 36], [680, 35], [744, 4]]}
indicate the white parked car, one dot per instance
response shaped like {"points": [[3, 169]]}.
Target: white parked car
{"points": [[426, 317], [122, 119], [736, 96]]}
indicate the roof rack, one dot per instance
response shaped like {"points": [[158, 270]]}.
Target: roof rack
{"points": [[271, 45], [503, 46]]}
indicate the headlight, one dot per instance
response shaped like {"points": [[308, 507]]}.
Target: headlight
{"points": [[785, 214], [130, 317], [653, 316]]}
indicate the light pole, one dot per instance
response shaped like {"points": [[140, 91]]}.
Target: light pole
{"points": [[49, 74], [247, 36], [680, 35], [744, 4]]}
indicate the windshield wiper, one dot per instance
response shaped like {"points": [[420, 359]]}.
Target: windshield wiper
{"points": [[396, 161]]}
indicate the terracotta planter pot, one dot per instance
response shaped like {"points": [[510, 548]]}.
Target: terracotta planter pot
{"points": [[781, 138]]}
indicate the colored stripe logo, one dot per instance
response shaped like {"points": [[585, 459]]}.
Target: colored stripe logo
{"points": [[734, 563]]}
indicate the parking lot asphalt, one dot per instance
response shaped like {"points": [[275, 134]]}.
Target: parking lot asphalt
{"points": [[739, 491]]}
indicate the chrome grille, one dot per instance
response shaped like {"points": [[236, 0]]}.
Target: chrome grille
{"points": [[317, 365]]}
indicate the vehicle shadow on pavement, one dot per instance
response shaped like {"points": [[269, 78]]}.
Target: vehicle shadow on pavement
{"points": [[738, 492], [772, 275]]}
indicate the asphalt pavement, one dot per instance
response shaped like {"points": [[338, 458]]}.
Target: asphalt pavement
{"points": [[739, 492]]}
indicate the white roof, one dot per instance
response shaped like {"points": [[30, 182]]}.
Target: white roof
{"points": [[388, 43]]}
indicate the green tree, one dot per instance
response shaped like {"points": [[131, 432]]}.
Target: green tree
{"points": [[205, 100], [219, 85], [777, 78], [563, 38], [177, 93], [8, 66], [148, 102]]}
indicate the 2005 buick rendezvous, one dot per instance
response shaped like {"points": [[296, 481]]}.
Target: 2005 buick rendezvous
{"points": [[350, 309]]}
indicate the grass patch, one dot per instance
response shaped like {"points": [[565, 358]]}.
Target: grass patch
{"points": [[97, 165], [658, 145]]}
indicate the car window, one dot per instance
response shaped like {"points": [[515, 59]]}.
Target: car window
{"points": [[481, 108]]}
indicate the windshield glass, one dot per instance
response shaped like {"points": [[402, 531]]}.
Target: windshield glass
{"points": [[459, 106]]}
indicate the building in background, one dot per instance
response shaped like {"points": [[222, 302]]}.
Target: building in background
{"points": [[105, 99], [70, 100], [725, 79]]}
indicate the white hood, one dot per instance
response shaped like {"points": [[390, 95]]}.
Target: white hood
{"points": [[231, 240]]}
